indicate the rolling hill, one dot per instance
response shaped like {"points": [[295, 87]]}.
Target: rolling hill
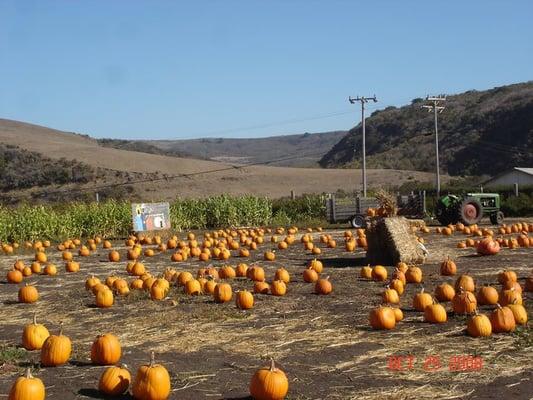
{"points": [[157, 172], [480, 133]]}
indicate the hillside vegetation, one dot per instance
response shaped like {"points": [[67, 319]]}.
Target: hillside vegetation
{"points": [[480, 133]]}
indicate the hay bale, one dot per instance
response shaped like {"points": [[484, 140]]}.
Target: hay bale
{"points": [[390, 241]]}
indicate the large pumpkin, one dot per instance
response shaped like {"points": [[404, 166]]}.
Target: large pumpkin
{"points": [[152, 382], [27, 388], [56, 350], [106, 350], [435, 313], [269, 383], [488, 247], [114, 381], [487, 295]]}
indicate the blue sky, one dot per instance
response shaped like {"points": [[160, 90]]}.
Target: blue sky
{"points": [[176, 69]]}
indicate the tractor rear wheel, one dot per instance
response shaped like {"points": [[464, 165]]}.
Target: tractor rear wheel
{"points": [[470, 211], [497, 218], [358, 221]]}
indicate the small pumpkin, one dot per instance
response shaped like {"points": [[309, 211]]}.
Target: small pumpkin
{"points": [[316, 265], [269, 383], [379, 273], [34, 335], [397, 285], [444, 292], [56, 350], [435, 314], [104, 298], [519, 312], [282, 275], [106, 350], [479, 325], [398, 274], [422, 300], [193, 287], [448, 267], [27, 388], [510, 296], [244, 300], [323, 286], [413, 274], [382, 318], [256, 273], [262, 287], [487, 295], [223, 293], [366, 272], [502, 320], [278, 288], [398, 314], [152, 382], [114, 380], [28, 294], [466, 282], [310, 275], [507, 275], [464, 302], [390, 295], [14, 276]]}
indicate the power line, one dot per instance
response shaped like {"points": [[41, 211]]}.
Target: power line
{"points": [[269, 124]]}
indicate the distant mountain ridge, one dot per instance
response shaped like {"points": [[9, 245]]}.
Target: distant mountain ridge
{"points": [[303, 150], [480, 133]]}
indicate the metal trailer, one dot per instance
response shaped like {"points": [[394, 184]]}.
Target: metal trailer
{"points": [[354, 210]]}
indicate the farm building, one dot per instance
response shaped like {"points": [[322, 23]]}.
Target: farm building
{"points": [[520, 176]]}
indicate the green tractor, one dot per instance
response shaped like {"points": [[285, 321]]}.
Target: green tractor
{"points": [[469, 209]]}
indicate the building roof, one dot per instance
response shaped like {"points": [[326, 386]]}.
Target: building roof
{"points": [[528, 171]]}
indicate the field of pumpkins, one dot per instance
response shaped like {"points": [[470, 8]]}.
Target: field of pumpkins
{"points": [[267, 314]]}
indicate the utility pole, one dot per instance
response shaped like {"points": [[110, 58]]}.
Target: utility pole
{"points": [[435, 106], [363, 100]]}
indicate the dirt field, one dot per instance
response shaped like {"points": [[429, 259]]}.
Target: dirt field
{"points": [[323, 343]]}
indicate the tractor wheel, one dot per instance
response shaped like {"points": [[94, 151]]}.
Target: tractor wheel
{"points": [[470, 212], [358, 221], [497, 218], [444, 214]]}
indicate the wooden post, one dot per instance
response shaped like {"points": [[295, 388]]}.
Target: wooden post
{"points": [[516, 189], [292, 195]]}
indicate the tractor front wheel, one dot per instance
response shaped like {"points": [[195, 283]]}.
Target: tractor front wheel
{"points": [[497, 218]]}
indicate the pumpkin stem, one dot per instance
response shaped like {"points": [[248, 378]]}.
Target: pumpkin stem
{"points": [[60, 328], [34, 318], [28, 373], [152, 358], [272, 365]]}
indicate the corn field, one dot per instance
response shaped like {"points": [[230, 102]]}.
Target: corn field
{"points": [[112, 219]]}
